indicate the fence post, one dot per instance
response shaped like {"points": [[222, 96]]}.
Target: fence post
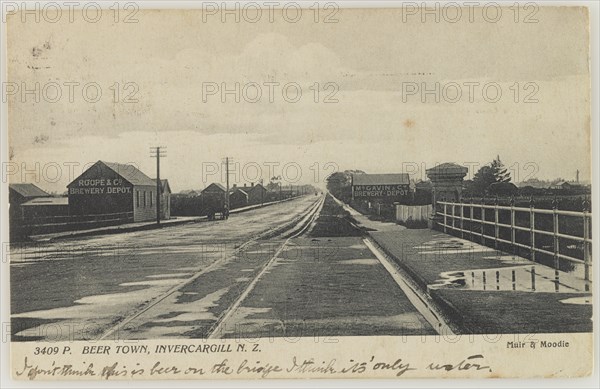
{"points": [[532, 228], [471, 219], [496, 228], [512, 223], [586, 248], [462, 219], [453, 216], [482, 221], [555, 238], [445, 219]]}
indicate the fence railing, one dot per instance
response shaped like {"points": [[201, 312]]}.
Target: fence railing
{"points": [[471, 219]]}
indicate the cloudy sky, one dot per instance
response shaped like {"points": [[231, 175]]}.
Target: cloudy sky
{"points": [[368, 59]]}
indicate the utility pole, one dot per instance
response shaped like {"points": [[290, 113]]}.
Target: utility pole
{"points": [[227, 160], [158, 152]]}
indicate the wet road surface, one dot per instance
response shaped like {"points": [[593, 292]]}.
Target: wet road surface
{"points": [[212, 280]]}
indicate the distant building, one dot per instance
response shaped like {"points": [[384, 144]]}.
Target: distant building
{"points": [[190, 193], [214, 189], [238, 198], [20, 193], [119, 191], [213, 196], [45, 207], [385, 187], [565, 185], [256, 193], [165, 199]]}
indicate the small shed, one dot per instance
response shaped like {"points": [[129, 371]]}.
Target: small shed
{"points": [[238, 198], [20, 193], [45, 207], [165, 199]]}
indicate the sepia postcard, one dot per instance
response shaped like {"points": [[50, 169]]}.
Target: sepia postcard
{"points": [[275, 190]]}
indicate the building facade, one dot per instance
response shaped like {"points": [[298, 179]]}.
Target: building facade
{"points": [[118, 190]]}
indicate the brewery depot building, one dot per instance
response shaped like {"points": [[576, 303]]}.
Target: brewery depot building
{"points": [[121, 190]]}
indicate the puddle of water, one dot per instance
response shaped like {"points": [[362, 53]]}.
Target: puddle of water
{"points": [[535, 278], [159, 282], [256, 319], [510, 258], [89, 313], [242, 279], [451, 246], [169, 275], [363, 261], [194, 310], [585, 300]]}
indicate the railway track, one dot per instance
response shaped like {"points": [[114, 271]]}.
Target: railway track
{"points": [[303, 227], [287, 231]]}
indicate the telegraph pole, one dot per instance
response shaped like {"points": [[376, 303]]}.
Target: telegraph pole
{"points": [[158, 152], [227, 160]]}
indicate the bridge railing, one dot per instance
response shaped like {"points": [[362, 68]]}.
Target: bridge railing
{"points": [[540, 232]]}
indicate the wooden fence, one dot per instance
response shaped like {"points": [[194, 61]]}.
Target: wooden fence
{"points": [[416, 213], [21, 227]]}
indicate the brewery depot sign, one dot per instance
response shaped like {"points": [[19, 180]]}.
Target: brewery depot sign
{"points": [[98, 186], [380, 190]]}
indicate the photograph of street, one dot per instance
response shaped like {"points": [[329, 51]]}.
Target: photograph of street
{"points": [[194, 176]]}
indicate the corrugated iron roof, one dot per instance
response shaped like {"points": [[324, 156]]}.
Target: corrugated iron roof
{"points": [[29, 190], [131, 173], [381, 179], [47, 201]]}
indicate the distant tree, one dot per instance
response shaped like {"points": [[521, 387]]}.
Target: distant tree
{"points": [[501, 174], [487, 175], [483, 178], [339, 184], [274, 183]]}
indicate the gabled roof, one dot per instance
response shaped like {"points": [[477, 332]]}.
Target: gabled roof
{"points": [[131, 173], [164, 185], [213, 186], [241, 191], [381, 179], [28, 190], [128, 172], [251, 188]]}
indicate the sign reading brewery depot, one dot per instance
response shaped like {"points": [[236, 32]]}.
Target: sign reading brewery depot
{"points": [[380, 190], [100, 186], [380, 185]]}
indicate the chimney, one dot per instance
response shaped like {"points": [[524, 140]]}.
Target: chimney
{"points": [[234, 187], [252, 184], [577, 176]]}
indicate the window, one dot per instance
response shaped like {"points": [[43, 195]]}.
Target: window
{"points": [[137, 198], [151, 198], [144, 199]]}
